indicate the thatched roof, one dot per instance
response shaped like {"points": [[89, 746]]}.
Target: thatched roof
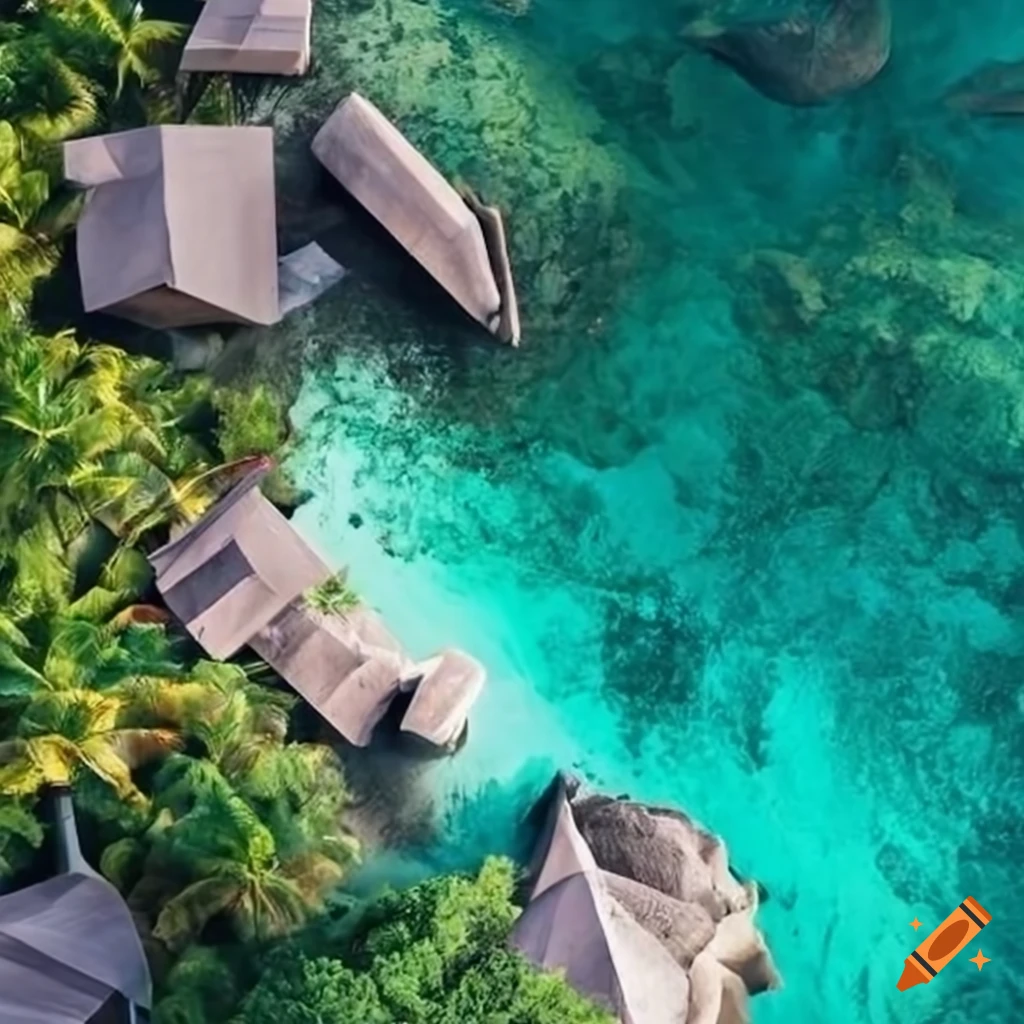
{"points": [[399, 186], [179, 226], [254, 37], [67, 946]]}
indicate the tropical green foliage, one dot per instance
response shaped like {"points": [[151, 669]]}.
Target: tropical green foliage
{"points": [[62, 734], [20, 834], [332, 597], [225, 837], [245, 829], [66, 67], [89, 432], [435, 954], [251, 421], [66, 409]]}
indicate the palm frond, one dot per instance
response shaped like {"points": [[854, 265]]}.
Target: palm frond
{"points": [[184, 917], [23, 261], [121, 862], [128, 572], [17, 677], [136, 747], [10, 634]]}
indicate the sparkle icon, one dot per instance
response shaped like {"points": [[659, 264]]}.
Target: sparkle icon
{"points": [[981, 960], [915, 924]]}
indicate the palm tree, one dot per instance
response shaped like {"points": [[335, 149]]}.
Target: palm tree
{"points": [[300, 793], [26, 253], [63, 408], [90, 642], [61, 734], [20, 832], [233, 860], [48, 100], [141, 496], [127, 33], [240, 723]]}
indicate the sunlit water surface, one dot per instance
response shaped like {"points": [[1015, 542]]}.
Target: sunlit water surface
{"points": [[714, 559]]}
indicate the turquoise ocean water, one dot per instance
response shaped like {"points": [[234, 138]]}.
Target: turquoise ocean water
{"points": [[753, 544]]}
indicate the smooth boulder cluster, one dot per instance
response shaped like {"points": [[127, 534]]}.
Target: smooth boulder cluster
{"points": [[638, 906]]}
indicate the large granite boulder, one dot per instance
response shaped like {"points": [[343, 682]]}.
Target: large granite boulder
{"points": [[660, 848], [626, 898], [805, 60], [445, 687], [684, 929]]}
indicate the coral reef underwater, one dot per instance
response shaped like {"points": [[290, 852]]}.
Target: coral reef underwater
{"points": [[740, 526]]}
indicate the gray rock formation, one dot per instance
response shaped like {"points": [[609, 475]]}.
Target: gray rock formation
{"points": [[661, 849], [684, 929], [717, 995], [627, 899], [804, 60], [740, 947]]}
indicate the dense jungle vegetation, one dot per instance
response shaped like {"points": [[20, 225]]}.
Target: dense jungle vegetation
{"points": [[223, 831]]}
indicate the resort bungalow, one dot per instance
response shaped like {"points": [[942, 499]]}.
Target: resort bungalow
{"points": [[69, 951], [253, 37], [636, 905], [242, 576], [459, 242], [574, 925], [179, 226]]}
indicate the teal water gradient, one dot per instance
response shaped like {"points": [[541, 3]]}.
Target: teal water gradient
{"points": [[713, 561]]}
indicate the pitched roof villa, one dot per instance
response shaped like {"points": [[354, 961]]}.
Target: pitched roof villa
{"points": [[371, 158], [255, 37], [179, 226], [69, 951], [574, 924], [637, 906], [240, 576]]}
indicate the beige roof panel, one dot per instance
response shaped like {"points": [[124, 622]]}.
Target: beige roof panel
{"points": [[450, 684], [235, 570], [240, 576], [179, 226], [398, 185], [52, 968], [255, 37]]}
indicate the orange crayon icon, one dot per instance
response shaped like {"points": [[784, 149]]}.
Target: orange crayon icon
{"points": [[943, 944]]}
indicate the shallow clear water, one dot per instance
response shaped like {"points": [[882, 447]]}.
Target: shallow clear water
{"points": [[752, 542]]}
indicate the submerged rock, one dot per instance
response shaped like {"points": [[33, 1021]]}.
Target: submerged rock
{"points": [[804, 60], [995, 89]]}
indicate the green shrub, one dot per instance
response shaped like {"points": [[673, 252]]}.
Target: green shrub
{"points": [[332, 597], [250, 422]]}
